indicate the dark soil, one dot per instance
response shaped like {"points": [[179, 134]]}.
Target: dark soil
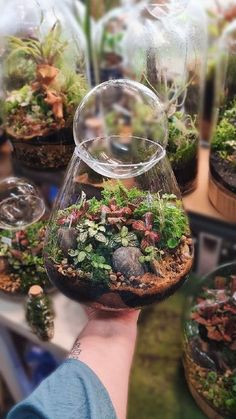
{"points": [[223, 172], [49, 152], [127, 293], [186, 175]]}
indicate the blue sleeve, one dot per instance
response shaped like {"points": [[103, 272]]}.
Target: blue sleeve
{"points": [[73, 391]]}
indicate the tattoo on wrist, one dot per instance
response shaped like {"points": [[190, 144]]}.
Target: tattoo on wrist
{"points": [[76, 350]]}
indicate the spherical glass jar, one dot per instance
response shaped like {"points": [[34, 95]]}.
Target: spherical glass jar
{"points": [[119, 237], [222, 186], [44, 78], [162, 45], [210, 343]]}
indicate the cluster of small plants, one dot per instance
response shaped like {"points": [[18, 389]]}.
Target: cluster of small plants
{"points": [[224, 140], [182, 140], [42, 89], [122, 218], [213, 323], [22, 252]]}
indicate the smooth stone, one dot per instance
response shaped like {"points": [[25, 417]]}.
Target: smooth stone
{"points": [[126, 261], [67, 239]]}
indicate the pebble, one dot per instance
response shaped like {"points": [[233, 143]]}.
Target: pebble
{"points": [[113, 277]]}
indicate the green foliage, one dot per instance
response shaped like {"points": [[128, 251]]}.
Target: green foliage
{"points": [[122, 218], [182, 144], [40, 315], [27, 265], [124, 238], [150, 253], [143, 124], [37, 70], [47, 51], [111, 42], [121, 194], [169, 219], [224, 139], [89, 229]]}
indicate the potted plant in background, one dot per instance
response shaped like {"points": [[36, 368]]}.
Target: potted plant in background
{"points": [[44, 76], [222, 183], [182, 150], [210, 343]]}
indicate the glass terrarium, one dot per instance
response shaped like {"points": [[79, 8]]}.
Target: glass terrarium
{"points": [[210, 343], [119, 237], [219, 14], [162, 45], [22, 236], [222, 187], [44, 78]]}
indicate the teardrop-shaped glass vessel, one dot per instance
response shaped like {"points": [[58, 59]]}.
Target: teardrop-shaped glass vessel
{"points": [[119, 237]]}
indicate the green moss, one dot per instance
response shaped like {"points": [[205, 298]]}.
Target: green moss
{"points": [[183, 140]]}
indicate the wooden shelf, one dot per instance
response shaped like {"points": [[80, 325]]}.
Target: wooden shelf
{"points": [[70, 318], [198, 202]]}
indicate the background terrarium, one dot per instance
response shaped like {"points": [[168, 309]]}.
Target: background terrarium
{"points": [[22, 271], [162, 45], [210, 343], [22, 236], [44, 77], [222, 188], [120, 239], [219, 14]]}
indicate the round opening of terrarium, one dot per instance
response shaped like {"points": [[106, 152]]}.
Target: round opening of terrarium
{"points": [[120, 157], [20, 204]]}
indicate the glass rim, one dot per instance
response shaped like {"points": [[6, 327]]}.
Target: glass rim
{"points": [[156, 157]]}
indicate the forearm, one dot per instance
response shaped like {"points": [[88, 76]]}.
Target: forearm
{"points": [[107, 345]]}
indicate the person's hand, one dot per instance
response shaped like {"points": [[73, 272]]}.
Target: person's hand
{"points": [[111, 324], [107, 345]]}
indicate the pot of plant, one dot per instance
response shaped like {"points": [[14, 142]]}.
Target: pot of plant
{"points": [[44, 79], [120, 240], [222, 184], [210, 343], [182, 150], [21, 261], [109, 35]]}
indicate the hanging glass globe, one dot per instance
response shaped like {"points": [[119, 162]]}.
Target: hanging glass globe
{"points": [[44, 78], [118, 237]]}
